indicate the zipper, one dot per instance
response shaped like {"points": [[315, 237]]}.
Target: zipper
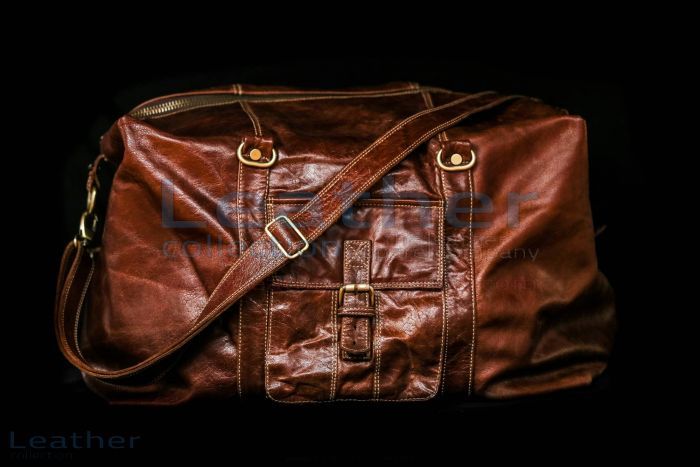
{"points": [[184, 102]]}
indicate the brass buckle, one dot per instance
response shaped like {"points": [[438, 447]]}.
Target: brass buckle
{"points": [[279, 245], [455, 168], [355, 288], [245, 161]]}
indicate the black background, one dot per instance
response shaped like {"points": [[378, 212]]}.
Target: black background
{"points": [[77, 96]]}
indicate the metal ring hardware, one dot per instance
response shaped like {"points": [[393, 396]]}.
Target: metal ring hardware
{"points": [[279, 245], [355, 288], [87, 227], [455, 168], [251, 163], [88, 220]]}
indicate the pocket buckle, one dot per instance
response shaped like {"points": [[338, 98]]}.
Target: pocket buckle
{"points": [[355, 288]]}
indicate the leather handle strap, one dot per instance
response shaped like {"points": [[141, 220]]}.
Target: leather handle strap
{"points": [[264, 256]]}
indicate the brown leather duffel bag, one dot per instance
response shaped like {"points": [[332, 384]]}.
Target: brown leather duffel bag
{"points": [[393, 243]]}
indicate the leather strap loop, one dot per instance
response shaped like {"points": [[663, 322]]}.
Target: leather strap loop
{"points": [[263, 258]]}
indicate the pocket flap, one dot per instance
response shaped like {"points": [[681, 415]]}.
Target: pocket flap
{"points": [[407, 238]]}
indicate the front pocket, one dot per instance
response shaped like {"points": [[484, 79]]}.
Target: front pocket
{"points": [[321, 346]]}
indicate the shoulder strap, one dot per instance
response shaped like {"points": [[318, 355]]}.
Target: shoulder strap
{"points": [[285, 237]]}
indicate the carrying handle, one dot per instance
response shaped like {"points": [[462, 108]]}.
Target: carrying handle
{"points": [[265, 254]]}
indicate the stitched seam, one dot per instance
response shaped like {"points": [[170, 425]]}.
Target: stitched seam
{"points": [[443, 245], [240, 254], [404, 87], [397, 206], [268, 325], [393, 162], [228, 273], [378, 348], [238, 210], [362, 253], [334, 374], [71, 276], [376, 285], [365, 334], [380, 203], [263, 272], [407, 399], [428, 99], [240, 348], [345, 261], [80, 308], [253, 118], [473, 285], [383, 138], [264, 100], [445, 304]]}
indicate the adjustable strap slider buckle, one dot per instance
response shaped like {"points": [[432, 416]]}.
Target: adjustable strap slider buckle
{"points": [[290, 255]]}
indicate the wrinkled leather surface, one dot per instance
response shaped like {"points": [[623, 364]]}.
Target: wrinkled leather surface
{"points": [[461, 309]]}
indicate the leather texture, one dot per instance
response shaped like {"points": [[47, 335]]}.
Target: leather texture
{"points": [[485, 280]]}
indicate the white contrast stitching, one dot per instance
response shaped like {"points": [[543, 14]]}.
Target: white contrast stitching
{"points": [[253, 118], [443, 246], [80, 307], [380, 203], [444, 291], [359, 93], [377, 285], [473, 285], [445, 310], [268, 324], [378, 348], [240, 349], [238, 210], [71, 277], [334, 325]]}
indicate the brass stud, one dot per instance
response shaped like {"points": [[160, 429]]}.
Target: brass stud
{"points": [[255, 154], [456, 159]]}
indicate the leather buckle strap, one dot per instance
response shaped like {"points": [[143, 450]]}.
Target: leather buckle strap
{"points": [[296, 230]]}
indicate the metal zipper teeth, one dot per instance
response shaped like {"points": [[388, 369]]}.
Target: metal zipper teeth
{"points": [[178, 104]]}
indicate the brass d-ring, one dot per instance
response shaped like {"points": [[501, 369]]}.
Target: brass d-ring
{"points": [[455, 168], [251, 163]]}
